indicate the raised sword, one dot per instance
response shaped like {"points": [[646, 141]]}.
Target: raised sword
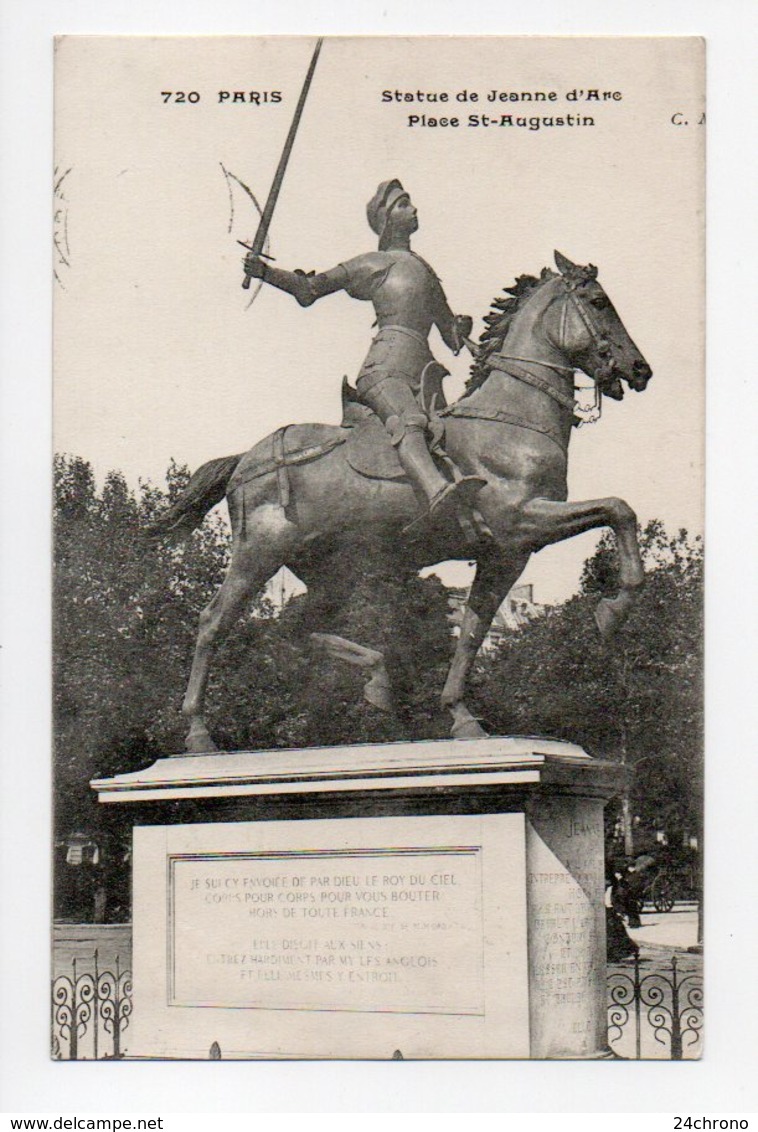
{"points": [[260, 236]]}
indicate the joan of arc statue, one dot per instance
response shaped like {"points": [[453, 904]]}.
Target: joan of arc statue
{"points": [[408, 300]]}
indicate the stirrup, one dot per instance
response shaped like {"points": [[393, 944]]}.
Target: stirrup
{"points": [[460, 493]]}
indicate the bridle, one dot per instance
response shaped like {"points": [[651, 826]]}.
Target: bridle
{"points": [[512, 364], [515, 366], [600, 341]]}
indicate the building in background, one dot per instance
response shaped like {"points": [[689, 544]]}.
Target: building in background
{"points": [[282, 588], [518, 608]]}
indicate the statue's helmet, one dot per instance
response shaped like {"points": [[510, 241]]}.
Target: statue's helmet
{"points": [[379, 208]]}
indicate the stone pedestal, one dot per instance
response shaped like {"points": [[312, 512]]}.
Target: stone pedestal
{"points": [[441, 899]]}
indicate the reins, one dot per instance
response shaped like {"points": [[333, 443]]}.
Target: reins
{"points": [[513, 369], [502, 416]]}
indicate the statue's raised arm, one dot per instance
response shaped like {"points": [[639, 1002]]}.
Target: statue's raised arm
{"points": [[305, 287], [408, 301]]}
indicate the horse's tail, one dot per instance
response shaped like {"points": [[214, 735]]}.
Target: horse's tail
{"points": [[206, 488]]}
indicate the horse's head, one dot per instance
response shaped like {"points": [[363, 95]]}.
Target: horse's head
{"points": [[591, 334]]}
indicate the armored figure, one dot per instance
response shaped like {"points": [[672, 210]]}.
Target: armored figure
{"points": [[408, 300]]}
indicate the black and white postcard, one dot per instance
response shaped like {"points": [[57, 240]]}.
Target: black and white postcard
{"points": [[379, 426]]}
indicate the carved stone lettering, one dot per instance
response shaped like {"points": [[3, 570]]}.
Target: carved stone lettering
{"points": [[565, 880], [364, 930]]}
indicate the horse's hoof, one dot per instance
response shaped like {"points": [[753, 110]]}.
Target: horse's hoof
{"points": [[468, 729], [378, 692], [199, 742], [612, 612]]}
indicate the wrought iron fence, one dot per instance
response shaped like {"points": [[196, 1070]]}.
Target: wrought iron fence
{"points": [[656, 1013], [90, 1012]]}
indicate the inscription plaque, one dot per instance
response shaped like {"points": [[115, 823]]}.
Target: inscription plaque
{"points": [[376, 930]]}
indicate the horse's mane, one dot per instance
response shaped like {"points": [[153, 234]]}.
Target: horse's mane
{"points": [[498, 323]]}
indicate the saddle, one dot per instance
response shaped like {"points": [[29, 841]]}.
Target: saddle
{"points": [[369, 450]]}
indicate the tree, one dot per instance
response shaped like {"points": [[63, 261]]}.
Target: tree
{"points": [[658, 677], [636, 699], [125, 623], [372, 597]]}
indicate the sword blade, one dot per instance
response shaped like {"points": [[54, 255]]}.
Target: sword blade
{"points": [[260, 236]]}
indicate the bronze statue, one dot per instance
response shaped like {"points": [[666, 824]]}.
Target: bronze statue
{"points": [[309, 487], [408, 300]]}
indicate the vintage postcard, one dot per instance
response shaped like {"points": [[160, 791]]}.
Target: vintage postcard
{"points": [[378, 426]]}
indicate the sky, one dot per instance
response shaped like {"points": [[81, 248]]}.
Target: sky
{"points": [[157, 354]]}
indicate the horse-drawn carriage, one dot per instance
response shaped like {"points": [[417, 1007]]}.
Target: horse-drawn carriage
{"points": [[675, 877], [662, 880]]}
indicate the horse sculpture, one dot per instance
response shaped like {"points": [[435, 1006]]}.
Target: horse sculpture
{"points": [[299, 491]]}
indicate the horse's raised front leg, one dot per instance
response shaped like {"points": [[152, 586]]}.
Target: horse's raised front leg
{"points": [[491, 584], [546, 522]]}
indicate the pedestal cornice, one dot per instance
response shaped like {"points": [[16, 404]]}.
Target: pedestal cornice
{"points": [[522, 763]]}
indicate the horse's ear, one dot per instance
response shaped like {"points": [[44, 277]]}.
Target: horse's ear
{"points": [[564, 265]]}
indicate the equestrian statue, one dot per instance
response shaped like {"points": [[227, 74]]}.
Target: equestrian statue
{"points": [[484, 478]]}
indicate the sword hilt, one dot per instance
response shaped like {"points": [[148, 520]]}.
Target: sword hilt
{"points": [[258, 253]]}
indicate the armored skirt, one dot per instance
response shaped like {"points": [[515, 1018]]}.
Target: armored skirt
{"points": [[395, 352]]}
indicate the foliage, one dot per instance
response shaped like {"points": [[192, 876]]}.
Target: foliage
{"points": [[125, 622], [637, 698], [372, 598]]}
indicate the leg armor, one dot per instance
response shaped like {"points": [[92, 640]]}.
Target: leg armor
{"points": [[394, 403]]}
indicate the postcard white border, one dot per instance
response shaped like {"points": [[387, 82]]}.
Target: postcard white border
{"points": [[724, 1080]]}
